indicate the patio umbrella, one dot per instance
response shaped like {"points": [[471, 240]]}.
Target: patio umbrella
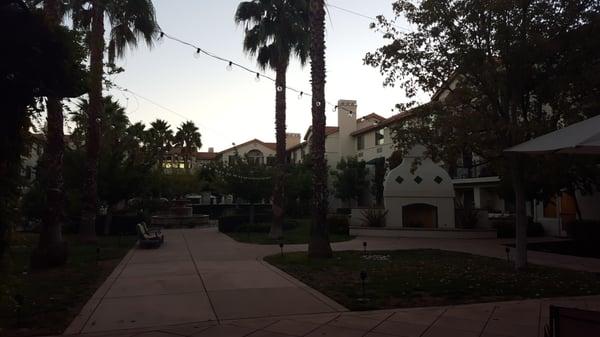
{"points": [[580, 138]]}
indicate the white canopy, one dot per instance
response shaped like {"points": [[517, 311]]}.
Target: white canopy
{"points": [[579, 138]]}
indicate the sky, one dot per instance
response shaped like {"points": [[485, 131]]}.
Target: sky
{"points": [[231, 106]]}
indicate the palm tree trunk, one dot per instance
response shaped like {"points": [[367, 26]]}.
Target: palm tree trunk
{"points": [[51, 250], [319, 233], [520, 214], [279, 185], [87, 231]]}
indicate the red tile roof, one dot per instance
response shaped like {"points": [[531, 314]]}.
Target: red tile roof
{"points": [[386, 122], [272, 146], [206, 155]]}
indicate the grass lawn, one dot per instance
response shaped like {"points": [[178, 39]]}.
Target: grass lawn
{"points": [[426, 277], [297, 235], [53, 298]]}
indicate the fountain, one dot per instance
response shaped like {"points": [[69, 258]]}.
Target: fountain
{"points": [[180, 214]]}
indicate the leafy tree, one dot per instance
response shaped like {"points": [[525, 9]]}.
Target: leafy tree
{"points": [[189, 139], [159, 140], [319, 245], [349, 180], [513, 70], [246, 180], [131, 20], [298, 189], [276, 31]]}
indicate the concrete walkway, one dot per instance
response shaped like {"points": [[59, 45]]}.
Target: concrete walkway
{"points": [[198, 275], [203, 283]]}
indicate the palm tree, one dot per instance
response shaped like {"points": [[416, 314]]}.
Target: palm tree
{"points": [[189, 139], [159, 139], [319, 232], [51, 249], [130, 21], [276, 30]]}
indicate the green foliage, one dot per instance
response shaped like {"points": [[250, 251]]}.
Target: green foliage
{"points": [[426, 277], [298, 189], [275, 30], [512, 74], [338, 224], [243, 179], [374, 217], [349, 180]]}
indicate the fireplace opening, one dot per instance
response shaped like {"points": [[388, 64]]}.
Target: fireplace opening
{"points": [[420, 216]]}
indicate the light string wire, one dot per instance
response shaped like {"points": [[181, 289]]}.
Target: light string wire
{"points": [[258, 74]]}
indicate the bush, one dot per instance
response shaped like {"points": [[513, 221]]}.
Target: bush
{"points": [[374, 217], [344, 211], [587, 232], [338, 224], [239, 223], [505, 228]]}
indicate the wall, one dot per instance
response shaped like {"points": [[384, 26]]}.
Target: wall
{"points": [[245, 148]]}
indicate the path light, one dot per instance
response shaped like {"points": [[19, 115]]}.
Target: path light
{"points": [[97, 254], [281, 247], [508, 254], [365, 247], [363, 277]]}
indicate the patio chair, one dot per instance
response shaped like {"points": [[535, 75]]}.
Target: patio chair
{"points": [[152, 230], [148, 241]]}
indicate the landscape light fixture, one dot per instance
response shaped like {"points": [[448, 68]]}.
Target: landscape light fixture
{"points": [[363, 277], [97, 254], [508, 254], [281, 248], [19, 300], [365, 247]]}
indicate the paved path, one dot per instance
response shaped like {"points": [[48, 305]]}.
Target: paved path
{"points": [[203, 283], [198, 275]]}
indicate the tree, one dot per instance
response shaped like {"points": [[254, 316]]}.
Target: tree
{"points": [[275, 31], [189, 139], [130, 21], [159, 139], [44, 61], [319, 246], [513, 70], [349, 180]]}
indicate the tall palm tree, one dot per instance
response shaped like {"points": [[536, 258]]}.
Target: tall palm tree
{"points": [[189, 139], [130, 20], [51, 249], [275, 31], [319, 245], [159, 139]]}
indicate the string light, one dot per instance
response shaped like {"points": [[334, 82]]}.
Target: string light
{"points": [[279, 88], [231, 64], [335, 108], [197, 53]]}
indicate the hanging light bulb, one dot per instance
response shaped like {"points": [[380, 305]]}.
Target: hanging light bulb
{"points": [[257, 78], [161, 38], [279, 88], [318, 103], [300, 94], [197, 53], [229, 66]]}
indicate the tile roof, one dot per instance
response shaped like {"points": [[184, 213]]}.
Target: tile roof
{"points": [[386, 122], [272, 146]]}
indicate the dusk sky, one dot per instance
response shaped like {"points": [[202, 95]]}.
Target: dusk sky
{"points": [[230, 106]]}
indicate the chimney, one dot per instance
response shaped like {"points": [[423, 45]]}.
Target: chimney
{"points": [[347, 124], [211, 149], [292, 139]]}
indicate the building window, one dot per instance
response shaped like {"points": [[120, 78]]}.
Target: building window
{"points": [[379, 137], [255, 157], [360, 142], [550, 208]]}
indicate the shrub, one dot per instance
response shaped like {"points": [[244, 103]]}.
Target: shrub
{"points": [[338, 224], [505, 228], [585, 231], [374, 217], [344, 211], [239, 223]]}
